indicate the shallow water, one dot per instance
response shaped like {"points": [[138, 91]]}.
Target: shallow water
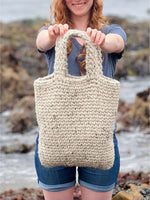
{"points": [[17, 170], [134, 151], [133, 85]]}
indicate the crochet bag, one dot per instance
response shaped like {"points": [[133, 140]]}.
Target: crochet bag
{"points": [[76, 114]]}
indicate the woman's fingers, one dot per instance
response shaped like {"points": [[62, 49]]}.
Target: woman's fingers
{"points": [[56, 30], [63, 29], [100, 38], [97, 37], [93, 35], [89, 31], [52, 33], [66, 27]]}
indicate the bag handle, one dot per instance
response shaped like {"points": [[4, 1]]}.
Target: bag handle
{"points": [[93, 55]]}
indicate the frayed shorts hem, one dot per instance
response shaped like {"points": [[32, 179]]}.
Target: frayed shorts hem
{"points": [[56, 188], [97, 188]]}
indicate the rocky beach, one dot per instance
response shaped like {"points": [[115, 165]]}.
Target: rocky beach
{"points": [[21, 64]]}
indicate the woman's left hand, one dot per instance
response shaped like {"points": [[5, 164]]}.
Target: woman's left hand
{"points": [[97, 37]]}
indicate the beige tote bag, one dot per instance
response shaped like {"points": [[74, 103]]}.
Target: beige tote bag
{"points": [[76, 114]]}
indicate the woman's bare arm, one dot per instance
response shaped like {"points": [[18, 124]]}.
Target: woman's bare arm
{"points": [[109, 43], [46, 38], [112, 43]]}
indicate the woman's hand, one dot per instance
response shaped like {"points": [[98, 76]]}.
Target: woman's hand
{"points": [[57, 30], [109, 43], [97, 37], [47, 38]]}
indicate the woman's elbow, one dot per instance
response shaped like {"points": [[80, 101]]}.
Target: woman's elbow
{"points": [[39, 44], [120, 44]]}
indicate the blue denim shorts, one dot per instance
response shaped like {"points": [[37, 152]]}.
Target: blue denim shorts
{"points": [[62, 178]]}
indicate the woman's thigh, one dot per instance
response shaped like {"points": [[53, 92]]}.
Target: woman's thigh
{"points": [[100, 180], [88, 194], [92, 181], [54, 179], [61, 195]]}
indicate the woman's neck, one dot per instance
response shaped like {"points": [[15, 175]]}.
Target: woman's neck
{"points": [[80, 23]]}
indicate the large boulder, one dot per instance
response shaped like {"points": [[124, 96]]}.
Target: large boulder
{"points": [[135, 114], [132, 191], [23, 115], [15, 81], [17, 147], [21, 37], [138, 115], [133, 63]]}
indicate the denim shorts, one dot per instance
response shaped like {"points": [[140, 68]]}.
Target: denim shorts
{"points": [[62, 178]]}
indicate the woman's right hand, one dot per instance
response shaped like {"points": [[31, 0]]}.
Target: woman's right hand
{"points": [[57, 30], [46, 38]]}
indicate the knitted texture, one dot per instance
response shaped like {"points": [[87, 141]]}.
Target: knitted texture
{"points": [[76, 114]]}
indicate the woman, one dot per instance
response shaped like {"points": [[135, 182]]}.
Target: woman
{"points": [[86, 15]]}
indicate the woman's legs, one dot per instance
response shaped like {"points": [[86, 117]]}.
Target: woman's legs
{"points": [[86, 194], [92, 195], [60, 195], [98, 184]]}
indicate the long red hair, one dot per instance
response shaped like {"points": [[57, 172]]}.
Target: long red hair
{"points": [[61, 15]]}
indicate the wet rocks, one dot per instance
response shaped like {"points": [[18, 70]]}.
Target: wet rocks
{"points": [[126, 192], [140, 110], [135, 59], [15, 82], [137, 178], [136, 114], [131, 192], [23, 194], [20, 62], [23, 117], [133, 63], [132, 186], [21, 37], [17, 147]]}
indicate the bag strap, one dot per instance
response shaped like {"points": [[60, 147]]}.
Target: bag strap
{"points": [[93, 55]]}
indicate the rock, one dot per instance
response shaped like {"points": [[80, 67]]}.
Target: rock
{"points": [[15, 82], [131, 192], [23, 115], [122, 122], [21, 36], [20, 60], [23, 194], [133, 63], [145, 192], [17, 147], [133, 182], [133, 177], [135, 114], [139, 112], [135, 59], [128, 181], [30, 194]]}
